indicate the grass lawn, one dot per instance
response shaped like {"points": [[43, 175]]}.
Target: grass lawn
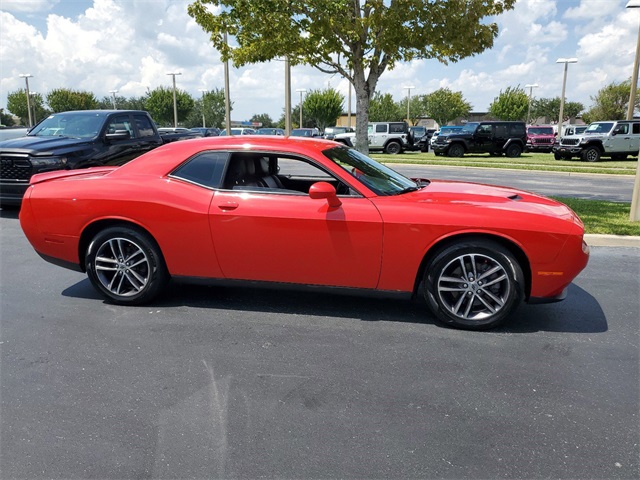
{"points": [[603, 217], [527, 161], [599, 217]]}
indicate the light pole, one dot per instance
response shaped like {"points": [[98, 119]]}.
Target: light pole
{"points": [[203, 92], [301, 91], [530, 87], [634, 215], [26, 77], [227, 97], [113, 95], [175, 104], [408, 99], [566, 62]]}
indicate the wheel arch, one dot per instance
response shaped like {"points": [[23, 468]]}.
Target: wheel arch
{"points": [[444, 243], [92, 229], [594, 143]]}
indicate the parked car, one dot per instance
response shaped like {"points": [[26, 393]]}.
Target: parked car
{"points": [[174, 134], [540, 138], [286, 210], [616, 139], [389, 137], [71, 140], [331, 132], [492, 137], [239, 131], [305, 132], [574, 130], [270, 131], [206, 131], [446, 130]]}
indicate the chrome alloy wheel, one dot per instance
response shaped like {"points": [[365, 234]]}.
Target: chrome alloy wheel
{"points": [[474, 286], [122, 267]]}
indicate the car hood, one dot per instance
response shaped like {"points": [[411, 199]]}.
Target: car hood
{"points": [[484, 206], [40, 144]]}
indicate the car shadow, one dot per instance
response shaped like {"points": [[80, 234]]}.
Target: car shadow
{"points": [[579, 313]]}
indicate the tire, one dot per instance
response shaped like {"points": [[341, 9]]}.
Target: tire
{"points": [[456, 287], [455, 150], [557, 156], [514, 151], [126, 266], [591, 154], [393, 148]]}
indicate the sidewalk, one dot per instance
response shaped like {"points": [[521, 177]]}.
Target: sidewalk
{"points": [[612, 240]]}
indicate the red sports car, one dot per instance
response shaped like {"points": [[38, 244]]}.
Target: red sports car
{"points": [[303, 211]]}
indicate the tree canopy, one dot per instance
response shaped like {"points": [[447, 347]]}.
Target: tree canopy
{"points": [[611, 103], [443, 106], [512, 104], [159, 104], [383, 108], [358, 39], [65, 99], [324, 107]]}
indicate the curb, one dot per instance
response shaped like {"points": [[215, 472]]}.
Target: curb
{"points": [[594, 240]]}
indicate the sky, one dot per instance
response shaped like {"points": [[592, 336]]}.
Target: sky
{"points": [[130, 45]]}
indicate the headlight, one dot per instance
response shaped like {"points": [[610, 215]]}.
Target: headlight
{"points": [[48, 161]]}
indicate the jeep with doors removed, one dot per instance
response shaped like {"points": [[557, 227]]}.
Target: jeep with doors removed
{"points": [[492, 137]]}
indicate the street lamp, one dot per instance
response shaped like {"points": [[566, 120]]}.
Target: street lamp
{"points": [[113, 94], [175, 104], [26, 77], [203, 90], [566, 62], [634, 215], [301, 91], [530, 87], [408, 98]]}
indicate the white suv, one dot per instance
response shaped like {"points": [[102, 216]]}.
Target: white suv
{"points": [[390, 137], [616, 139]]}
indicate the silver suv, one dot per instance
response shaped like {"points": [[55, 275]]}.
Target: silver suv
{"points": [[615, 139], [390, 137]]}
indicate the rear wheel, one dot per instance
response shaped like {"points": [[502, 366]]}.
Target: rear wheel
{"points": [[456, 150], [514, 151], [473, 284], [393, 148], [126, 265]]}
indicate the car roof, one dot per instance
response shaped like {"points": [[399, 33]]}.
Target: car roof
{"points": [[164, 158]]}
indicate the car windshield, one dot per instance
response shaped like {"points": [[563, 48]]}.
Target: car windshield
{"points": [[603, 127], [81, 125], [380, 179], [541, 131], [469, 127]]}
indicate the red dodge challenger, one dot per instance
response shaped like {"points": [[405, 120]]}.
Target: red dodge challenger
{"points": [[306, 212]]}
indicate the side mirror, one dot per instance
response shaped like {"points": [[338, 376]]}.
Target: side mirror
{"points": [[321, 190]]}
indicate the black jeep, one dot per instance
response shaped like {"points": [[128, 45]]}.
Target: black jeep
{"points": [[491, 137]]}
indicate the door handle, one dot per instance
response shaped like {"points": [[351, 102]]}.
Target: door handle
{"points": [[228, 206]]}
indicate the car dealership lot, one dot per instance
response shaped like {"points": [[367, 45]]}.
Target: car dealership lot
{"points": [[244, 382]]}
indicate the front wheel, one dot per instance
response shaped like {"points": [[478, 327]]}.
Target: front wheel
{"points": [[126, 265], [456, 150], [591, 154], [473, 284]]}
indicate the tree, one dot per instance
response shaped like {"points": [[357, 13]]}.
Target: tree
{"points": [[264, 119], [550, 108], [160, 105], [64, 99], [416, 108], [512, 104], [383, 108], [6, 119], [324, 107], [358, 39], [611, 103], [443, 106], [17, 104], [211, 104]]}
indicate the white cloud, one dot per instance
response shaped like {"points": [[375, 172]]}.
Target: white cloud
{"points": [[28, 5]]}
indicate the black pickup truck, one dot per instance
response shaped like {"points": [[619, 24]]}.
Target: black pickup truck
{"points": [[70, 140]]}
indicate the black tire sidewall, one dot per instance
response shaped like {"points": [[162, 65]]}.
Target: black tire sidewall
{"points": [[159, 275], [484, 247], [393, 148]]}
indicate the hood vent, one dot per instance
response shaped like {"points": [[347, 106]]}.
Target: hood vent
{"points": [[515, 197]]}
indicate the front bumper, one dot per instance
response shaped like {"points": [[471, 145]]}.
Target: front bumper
{"points": [[11, 193]]}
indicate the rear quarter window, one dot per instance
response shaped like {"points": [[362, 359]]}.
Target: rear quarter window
{"points": [[204, 169]]}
